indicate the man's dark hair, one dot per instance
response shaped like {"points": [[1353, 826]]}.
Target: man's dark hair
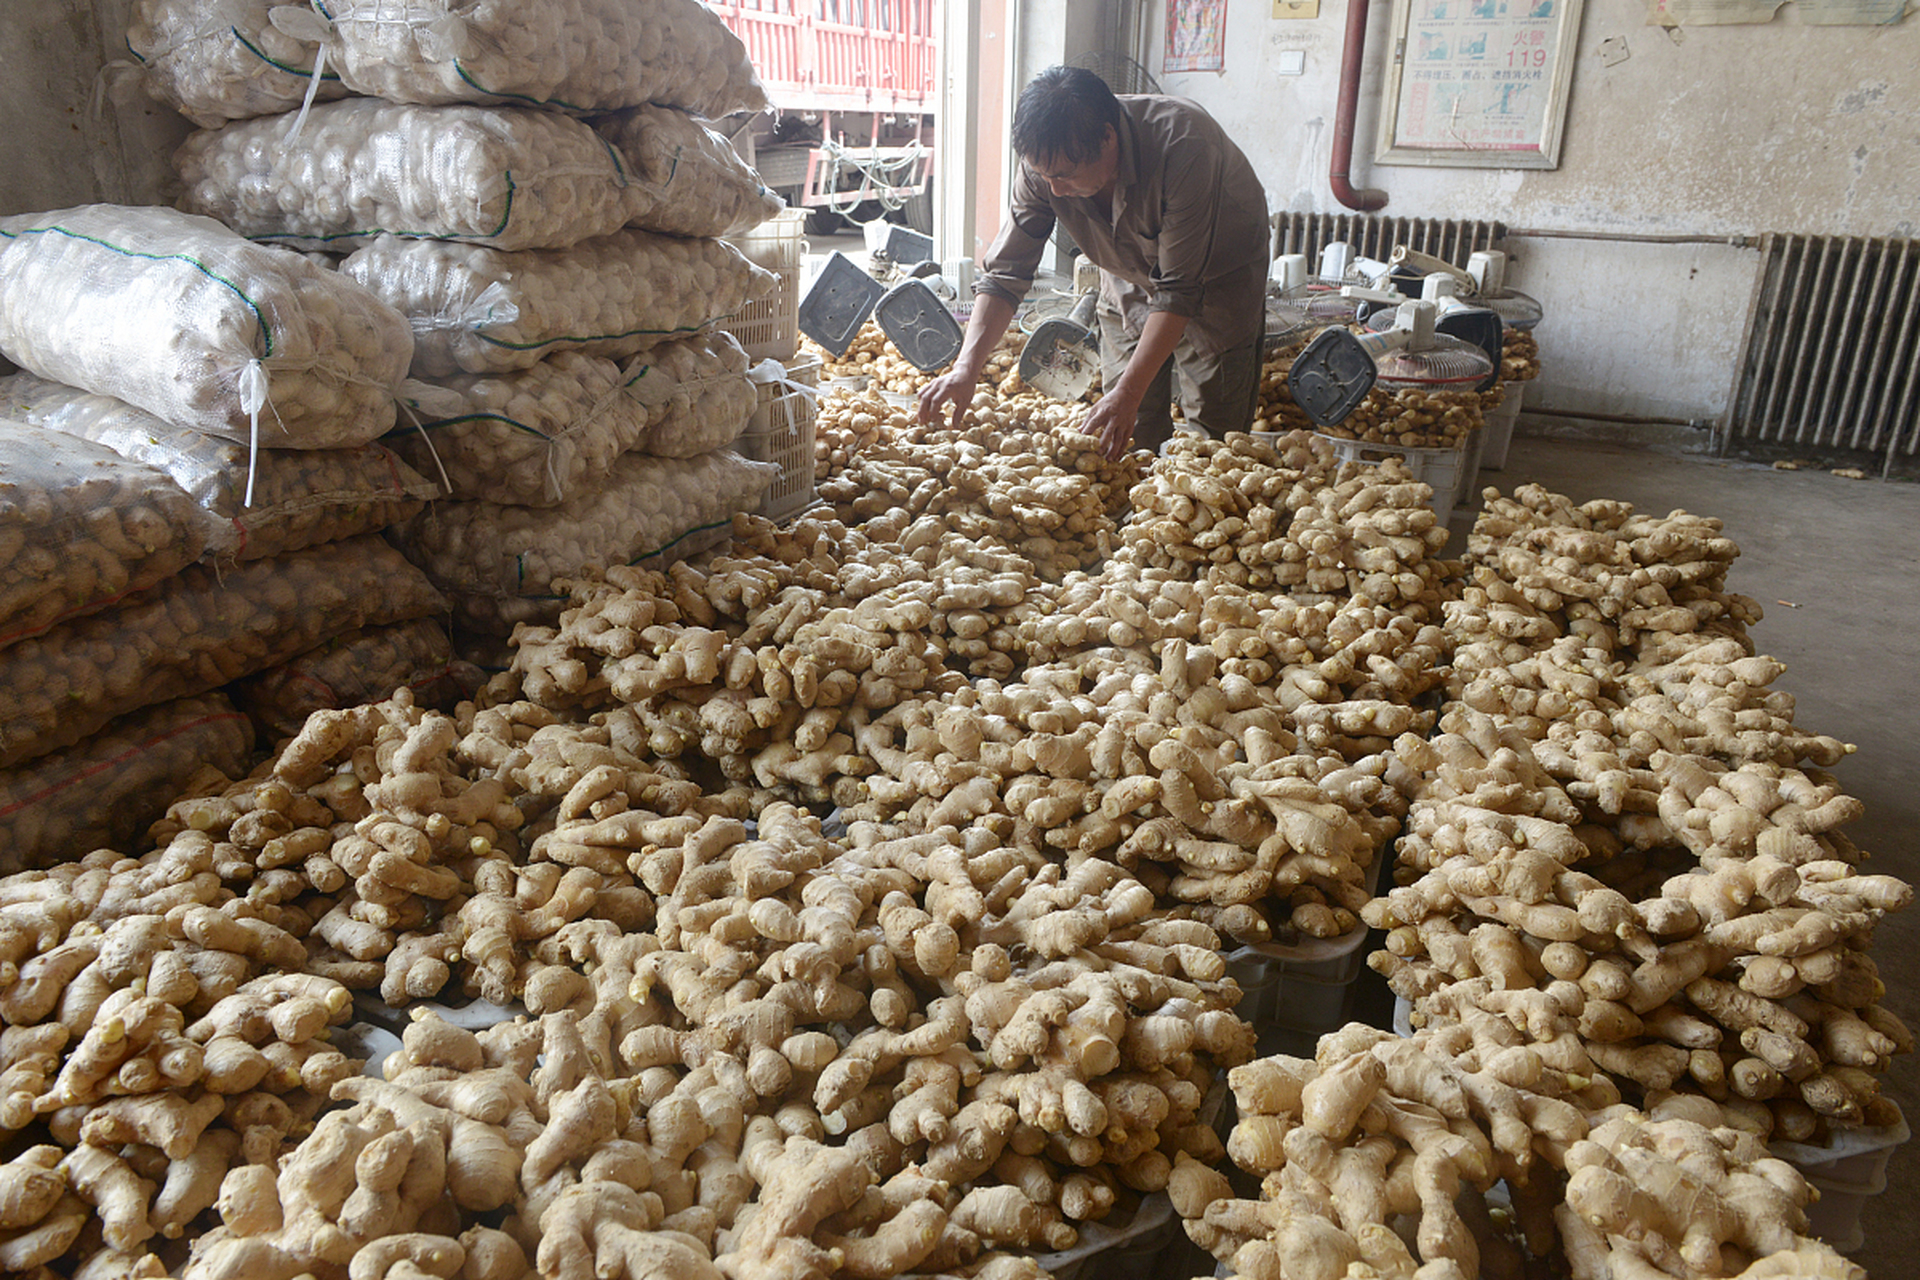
{"points": [[1063, 113]]}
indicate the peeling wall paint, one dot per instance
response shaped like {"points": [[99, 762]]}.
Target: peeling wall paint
{"points": [[1727, 132]]}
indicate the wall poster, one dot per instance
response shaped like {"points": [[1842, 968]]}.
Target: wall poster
{"points": [[1196, 36], [1478, 83]]}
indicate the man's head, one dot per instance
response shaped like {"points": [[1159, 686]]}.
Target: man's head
{"points": [[1066, 127]]}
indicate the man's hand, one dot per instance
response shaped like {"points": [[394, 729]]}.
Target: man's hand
{"points": [[954, 387], [991, 316], [1111, 422]]}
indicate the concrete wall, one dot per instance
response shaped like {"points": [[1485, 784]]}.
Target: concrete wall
{"points": [[74, 128], [1727, 131]]}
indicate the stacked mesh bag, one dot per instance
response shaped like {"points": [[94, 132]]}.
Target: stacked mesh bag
{"points": [[190, 493], [533, 186]]}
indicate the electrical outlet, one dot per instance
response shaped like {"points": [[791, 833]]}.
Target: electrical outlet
{"points": [[1296, 8]]}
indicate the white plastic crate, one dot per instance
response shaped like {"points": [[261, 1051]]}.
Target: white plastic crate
{"points": [[1442, 470], [782, 431], [1298, 988], [1467, 496], [1301, 983], [1148, 1241], [1124, 1247], [1857, 1157], [770, 328], [1500, 420], [1847, 1172]]}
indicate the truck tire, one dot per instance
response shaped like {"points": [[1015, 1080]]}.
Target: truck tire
{"points": [[917, 212]]}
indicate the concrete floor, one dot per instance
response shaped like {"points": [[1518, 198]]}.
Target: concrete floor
{"points": [[1836, 565]]}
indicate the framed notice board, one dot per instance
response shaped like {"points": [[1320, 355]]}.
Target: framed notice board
{"points": [[1478, 83]]}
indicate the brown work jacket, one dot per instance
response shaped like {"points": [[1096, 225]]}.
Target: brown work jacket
{"points": [[1188, 231]]}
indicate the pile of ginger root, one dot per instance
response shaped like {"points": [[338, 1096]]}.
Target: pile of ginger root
{"points": [[987, 1005], [1625, 847], [735, 1051], [1624, 875], [1385, 1157]]}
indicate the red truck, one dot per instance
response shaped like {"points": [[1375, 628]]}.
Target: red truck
{"points": [[852, 82]]}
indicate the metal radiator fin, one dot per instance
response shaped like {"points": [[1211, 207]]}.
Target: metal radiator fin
{"points": [[1832, 343]]}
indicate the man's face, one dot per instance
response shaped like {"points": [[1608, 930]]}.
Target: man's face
{"points": [[1090, 177]]}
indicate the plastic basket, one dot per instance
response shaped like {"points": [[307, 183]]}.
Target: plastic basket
{"points": [[1128, 1249], [1301, 983], [1835, 1216], [1499, 430], [1848, 1171], [781, 431], [1853, 1158], [1442, 470], [1298, 988], [1466, 494], [769, 328]]}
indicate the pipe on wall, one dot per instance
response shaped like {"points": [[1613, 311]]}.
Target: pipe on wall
{"points": [[1629, 419], [1352, 56], [1628, 237]]}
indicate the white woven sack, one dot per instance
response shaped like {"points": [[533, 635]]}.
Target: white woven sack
{"points": [[645, 504], [514, 178], [103, 792], [82, 527], [696, 183], [194, 632], [481, 310], [267, 503], [533, 437], [580, 56], [183, 318], [220, 60], [697, 394]]}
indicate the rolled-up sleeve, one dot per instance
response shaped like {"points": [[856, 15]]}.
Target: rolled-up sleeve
{"points": [[1014, 257]]}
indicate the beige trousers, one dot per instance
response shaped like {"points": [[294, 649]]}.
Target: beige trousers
{"points": [[1218, 393]]}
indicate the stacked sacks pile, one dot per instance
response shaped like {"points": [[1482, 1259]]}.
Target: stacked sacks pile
{"points": [[267, 504], [213, 403], [534, 188]]}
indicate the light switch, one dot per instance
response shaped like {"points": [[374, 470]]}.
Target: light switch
{"points": [[1290, 62]]}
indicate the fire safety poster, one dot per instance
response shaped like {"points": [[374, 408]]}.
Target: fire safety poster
{"points": [[1477, 83]]}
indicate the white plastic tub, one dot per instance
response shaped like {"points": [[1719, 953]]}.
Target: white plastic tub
{"points": [[1445, 471], [1499, 428], [1848, 1172]]}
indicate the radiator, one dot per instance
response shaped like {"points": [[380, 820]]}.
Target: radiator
{"points": [[1449, 239], [1832, 340]]}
